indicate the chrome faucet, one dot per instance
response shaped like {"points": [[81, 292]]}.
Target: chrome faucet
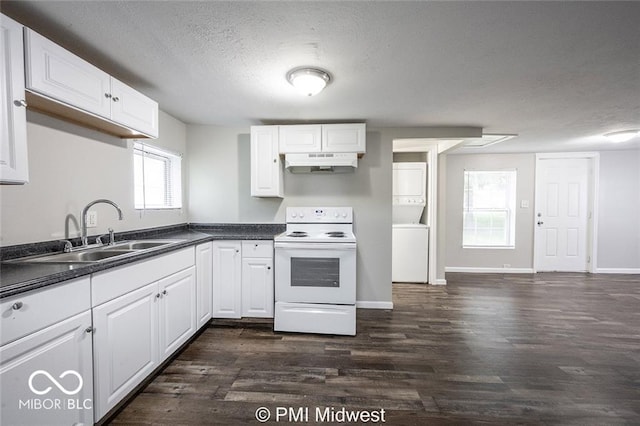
{"points": [[85, 211]]}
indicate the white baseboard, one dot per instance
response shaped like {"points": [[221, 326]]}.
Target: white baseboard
{"points": [[364, 304], [489, 270], [439, 281], [617, 271]]}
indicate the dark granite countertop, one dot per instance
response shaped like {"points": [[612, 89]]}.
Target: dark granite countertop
{"points": [[16, 278]]}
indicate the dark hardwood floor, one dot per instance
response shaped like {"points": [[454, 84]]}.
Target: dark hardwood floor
{"points": [[549, 348]]}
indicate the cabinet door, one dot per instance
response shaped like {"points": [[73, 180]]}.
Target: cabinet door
{"points": [[257, 287], [266, 166], [300, 138], [204, 283], [350, 137], [59, 74], [46, 377], [125, 343], [13, 143], [133, 109], [227, 291], [177, 317]]}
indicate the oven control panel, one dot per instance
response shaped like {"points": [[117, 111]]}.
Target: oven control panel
{"points": [[319, 215]]}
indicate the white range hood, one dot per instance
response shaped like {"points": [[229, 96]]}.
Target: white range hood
{"points": [[321, 162]]}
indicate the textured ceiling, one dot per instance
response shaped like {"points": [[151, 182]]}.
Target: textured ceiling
{"points": [[558, 74]]}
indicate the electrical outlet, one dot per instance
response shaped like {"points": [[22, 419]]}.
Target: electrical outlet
{"points": [[92, 219]]}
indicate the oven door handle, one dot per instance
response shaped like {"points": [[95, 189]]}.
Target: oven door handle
{"points": [[316, 246]]}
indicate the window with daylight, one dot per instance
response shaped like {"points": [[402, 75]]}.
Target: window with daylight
{"points": [[489, 208], [157, 178]]}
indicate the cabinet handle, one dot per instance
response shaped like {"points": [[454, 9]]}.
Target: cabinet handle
{"points": [[107, 95], [164, 292], [89, 329], [116, 99], [158, 296], [16, 306], [20, 103]]}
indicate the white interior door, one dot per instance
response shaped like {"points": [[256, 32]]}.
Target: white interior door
{"points": [[562, 214]]}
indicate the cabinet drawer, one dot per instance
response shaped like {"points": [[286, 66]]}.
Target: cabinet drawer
{"points": [[29, 312], [115, 282], [257, 249]]}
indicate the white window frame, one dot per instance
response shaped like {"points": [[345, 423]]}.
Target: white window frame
{"points": [[172, 181], [509, 211]]}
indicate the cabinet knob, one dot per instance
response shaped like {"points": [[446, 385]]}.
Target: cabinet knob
{"points": [[16, 306], [158, 296], [20, 103], [89, 329], [116, 99], [269, 267], [107, 95], [275, 161], [164, 292]]}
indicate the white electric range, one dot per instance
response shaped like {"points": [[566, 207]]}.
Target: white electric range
{"points": [[315, 272]]}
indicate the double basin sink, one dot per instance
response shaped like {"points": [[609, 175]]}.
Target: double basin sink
{"points": [[100, 253]]}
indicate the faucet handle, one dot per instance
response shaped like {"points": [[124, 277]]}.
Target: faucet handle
{"points": [[67, 246]]}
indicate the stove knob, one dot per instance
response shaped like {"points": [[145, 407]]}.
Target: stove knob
{"points": [[344, 215], [301, 215], [336, 214], [294, 215]]}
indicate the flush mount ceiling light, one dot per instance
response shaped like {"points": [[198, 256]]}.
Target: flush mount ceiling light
{"points": [[308, 81], [622, 136]]}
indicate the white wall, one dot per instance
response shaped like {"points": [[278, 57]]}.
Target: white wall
{"points": [[619, 211], [521, 257], [618, 247], [70, 166]]}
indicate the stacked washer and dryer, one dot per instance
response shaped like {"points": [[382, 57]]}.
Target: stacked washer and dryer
{"points": [[410, 236]]}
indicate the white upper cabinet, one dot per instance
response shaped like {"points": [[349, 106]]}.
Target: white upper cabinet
{"points": [[309, 138], [74, 89], [349, 137], [266, 166], [13, 146], [300, 138], [59, 74], [133, 109]]}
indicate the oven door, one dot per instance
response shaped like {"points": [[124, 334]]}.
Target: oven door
{"points": [[315, 272]]}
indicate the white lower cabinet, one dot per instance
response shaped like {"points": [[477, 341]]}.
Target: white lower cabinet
{"points": [[177, 316], [142, 313], [125, 345], [243, 279], [46, 358], [257, 279], [227, 269], [204, 282]]}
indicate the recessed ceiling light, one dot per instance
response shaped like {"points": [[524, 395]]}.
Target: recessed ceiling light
{"points": [[308, 81], [622, 136]]}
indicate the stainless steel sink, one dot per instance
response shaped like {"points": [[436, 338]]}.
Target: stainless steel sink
{"points": [[140, 245], [99, 253]]}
